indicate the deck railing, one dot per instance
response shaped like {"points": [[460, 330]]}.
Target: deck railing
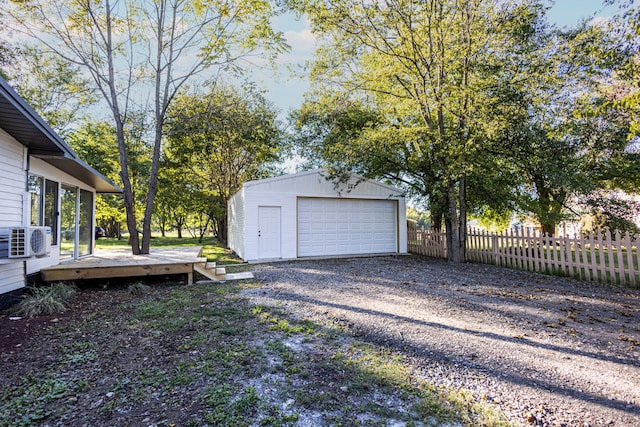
{"points": [[594, 256]]}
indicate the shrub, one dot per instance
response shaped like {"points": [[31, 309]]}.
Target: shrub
{"points": [[138, 289], [63, 290], [46, 300]]}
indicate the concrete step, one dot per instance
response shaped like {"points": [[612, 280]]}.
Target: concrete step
{"points": [[219, 274], [239, 276]]}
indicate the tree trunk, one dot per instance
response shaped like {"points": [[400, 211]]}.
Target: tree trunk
{"points": [[437, 209], [203, 230], [455, 222], [548, 229], [462, 204], [222, 229], [129, 202], [153, 186], [548, 210], [112, 97], [161, 102]]}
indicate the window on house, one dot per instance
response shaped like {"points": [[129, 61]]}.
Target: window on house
{"points": [[44, 204], [86, 223], [68, 217], [51, 209], [35, 185]]}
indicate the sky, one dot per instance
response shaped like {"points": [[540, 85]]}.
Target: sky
{"points": [[287, 91]]}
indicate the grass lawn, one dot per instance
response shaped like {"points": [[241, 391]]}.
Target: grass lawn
{"points": [[211, 247], [205, 356]]}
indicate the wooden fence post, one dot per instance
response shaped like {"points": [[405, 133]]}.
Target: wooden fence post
{"points": [[601, 260], [636, 268], [592, 257], [585, 260], [629, 249], [618, 241]]}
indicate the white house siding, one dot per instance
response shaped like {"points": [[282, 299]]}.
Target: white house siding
{"points": [[236, 230], [13, 185], [41, 168], [284, 192], [12, 180]]}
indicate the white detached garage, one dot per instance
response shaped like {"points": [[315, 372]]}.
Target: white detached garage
{"points": [[306, 215]]}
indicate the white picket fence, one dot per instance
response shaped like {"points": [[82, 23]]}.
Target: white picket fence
{"points": [[597, 257]]}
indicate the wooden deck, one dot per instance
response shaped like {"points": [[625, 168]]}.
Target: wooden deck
{"points": [[121, 263]]}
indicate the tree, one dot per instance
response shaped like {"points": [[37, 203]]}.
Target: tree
{"points": [[175, 196], [222, 138], [5, 50], [429, 73], [421, 219], [483, 112], [93, 141], [625, 27], [566, 141], [53, 87], [147, 50], [5, 59]]}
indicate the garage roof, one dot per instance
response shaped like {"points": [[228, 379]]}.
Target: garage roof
{"points": [[20, 121]]}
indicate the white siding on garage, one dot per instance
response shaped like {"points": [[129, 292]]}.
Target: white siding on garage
{"points": [[236, 220], [346, 227], [314, 184], [13, 185], [376, 211]]}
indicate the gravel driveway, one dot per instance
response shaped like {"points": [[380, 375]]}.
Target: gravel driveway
{"points": [[545, 350]]}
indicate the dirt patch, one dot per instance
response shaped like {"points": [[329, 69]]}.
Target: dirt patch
{"points": [[15, 330], [544, 350]]}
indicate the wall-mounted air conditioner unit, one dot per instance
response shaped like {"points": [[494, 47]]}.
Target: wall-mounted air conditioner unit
{"points": [[25, 242]]}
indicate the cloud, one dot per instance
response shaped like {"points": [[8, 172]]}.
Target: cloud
{"points": [[301, 41]]}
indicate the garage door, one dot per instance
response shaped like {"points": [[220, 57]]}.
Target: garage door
{"points": [[346, 227]]}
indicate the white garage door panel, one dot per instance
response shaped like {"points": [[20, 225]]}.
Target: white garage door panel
{"points": [[346, 227]]}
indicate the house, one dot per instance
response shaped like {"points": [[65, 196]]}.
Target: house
{"points": [[42, 183], [307, 215]]}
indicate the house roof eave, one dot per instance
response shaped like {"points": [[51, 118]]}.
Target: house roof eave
{"points": [[83, 172]]}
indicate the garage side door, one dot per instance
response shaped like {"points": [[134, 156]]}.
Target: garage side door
{"points": [[346, 227]]}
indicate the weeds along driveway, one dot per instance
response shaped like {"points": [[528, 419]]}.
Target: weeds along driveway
{"points": [[545, 350]]}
